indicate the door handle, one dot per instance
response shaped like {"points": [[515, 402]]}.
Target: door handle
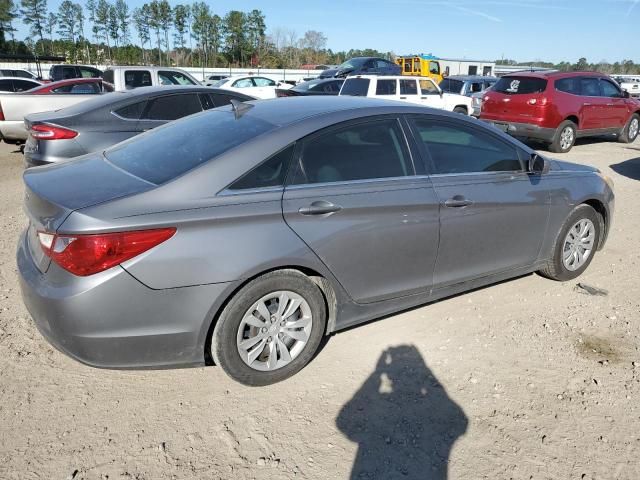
{"points": [[403, 98], [423, 98], [320, 207], [458, 201]]}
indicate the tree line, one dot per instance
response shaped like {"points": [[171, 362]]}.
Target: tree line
{"points": [[108, 32], [625, 67]]}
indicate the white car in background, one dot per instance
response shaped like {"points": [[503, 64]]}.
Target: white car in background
{"points": [[254, 85], [420, 90]]}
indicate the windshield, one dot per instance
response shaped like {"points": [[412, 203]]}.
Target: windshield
{"points": [[357, 87], [451, 86], [171, 150], [520, 85], [351, 64]]}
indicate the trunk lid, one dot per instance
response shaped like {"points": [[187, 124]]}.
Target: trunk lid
{"points": [[53, 192]]}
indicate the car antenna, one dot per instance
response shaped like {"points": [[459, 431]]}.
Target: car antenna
{"points": [[240, 108]]}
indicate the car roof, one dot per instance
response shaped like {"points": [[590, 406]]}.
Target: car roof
{"points": [[139, 67], [552, 74], [21, 78], [390, 77], [471, 78]]}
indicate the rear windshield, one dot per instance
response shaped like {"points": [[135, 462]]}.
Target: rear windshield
{"points": [[171, 150], [520, 85], [450, 85], [357, 87]]}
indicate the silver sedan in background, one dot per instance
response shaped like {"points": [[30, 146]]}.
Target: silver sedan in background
{"points": [[244, 234]]}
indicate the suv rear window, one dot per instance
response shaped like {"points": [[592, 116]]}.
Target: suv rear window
{"points": [[175, 148], [357, 87], [520, 85]]}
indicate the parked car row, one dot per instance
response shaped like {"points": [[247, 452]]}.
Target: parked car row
{"points": [[559, 107]]}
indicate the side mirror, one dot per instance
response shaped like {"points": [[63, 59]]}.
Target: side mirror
{"points": [[537, 164], [625, 94]]}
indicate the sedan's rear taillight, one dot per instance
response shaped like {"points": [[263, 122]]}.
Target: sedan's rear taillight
{"points": [[85, 255], [44, 131], [1, 114]]}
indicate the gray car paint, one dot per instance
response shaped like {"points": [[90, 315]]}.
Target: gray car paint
{"points": [[393, 246], [97, 125]]}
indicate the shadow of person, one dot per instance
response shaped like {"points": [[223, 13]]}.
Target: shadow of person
{"points": [[404, 422], [629, 168]]}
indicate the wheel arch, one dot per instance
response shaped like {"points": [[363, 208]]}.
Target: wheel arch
{"points": [[326, 288], [599, 207], [574, 119]]}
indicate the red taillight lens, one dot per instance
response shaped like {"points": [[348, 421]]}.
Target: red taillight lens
{"points": [[1, 114], [85, 255], [43, 131]]}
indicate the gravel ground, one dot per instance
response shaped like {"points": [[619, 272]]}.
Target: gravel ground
{"points": [[527, 379]]}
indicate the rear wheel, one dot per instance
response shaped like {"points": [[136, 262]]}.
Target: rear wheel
{"points": [[270, 329], [564, 137], [631, 129], [461, 110], [575, 245]]}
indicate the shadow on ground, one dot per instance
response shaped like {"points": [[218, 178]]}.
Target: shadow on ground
{"points": [[628, 168], [404, 422]]}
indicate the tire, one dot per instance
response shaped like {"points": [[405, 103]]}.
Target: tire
{"points": [[461, 110], [556, 268], [564, 138], [630, 130], [264, 362]]}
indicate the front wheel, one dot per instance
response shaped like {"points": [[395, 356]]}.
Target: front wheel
{"points": [[270, 329], [575, 245], [631, 129]]}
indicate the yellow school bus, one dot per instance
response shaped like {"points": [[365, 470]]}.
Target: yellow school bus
{"points": [[421, 65]]}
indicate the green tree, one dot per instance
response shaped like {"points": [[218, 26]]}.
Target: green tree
{"points": [[67, 21], [180, 20], [102, 22], [200, 28], [8, 13], [235, 28], [122, 15], [34, 14], [141, 19], [113, 26]]}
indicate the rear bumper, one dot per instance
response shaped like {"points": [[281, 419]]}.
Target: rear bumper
{"points": [[525, 130], [111, 320]]}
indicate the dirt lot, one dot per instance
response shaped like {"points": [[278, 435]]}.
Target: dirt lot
{"points": [[528, 379]]}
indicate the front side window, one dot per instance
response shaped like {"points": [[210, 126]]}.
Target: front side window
{"points": [[427, 87], [386, 87], [88, 72], [408, 87], [263, 82], [434, 68], [172, 107], [371, 150], [270, 173], [459, 149], [169, 77], [609, 89], [357, 87], [68, 72]]}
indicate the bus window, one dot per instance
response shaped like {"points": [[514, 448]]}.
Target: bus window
{"points": [[416, 65], [407, 65], [434, 68]]}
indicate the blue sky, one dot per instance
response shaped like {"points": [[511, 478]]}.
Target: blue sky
{"points": [[552, 30]]}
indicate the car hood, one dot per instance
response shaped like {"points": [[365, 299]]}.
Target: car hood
{"points": [[571, 167]]}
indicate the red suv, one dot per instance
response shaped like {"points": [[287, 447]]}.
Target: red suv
{"points": [[558, 107]]}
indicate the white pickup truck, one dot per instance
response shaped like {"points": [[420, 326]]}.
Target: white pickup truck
{"points": [[127, 78], [420, 90]]}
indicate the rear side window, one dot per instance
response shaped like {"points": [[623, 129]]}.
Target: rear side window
{"points": [[589, 86], [108, 76], [69, 72], [458, 149], [172, 107], [357, 87], [568, 85], [450, 85], [408, 87], [137, 78], [270, 173], [175, 148], [23, 85], [370, 150], [520, 85], [386, 87], [89, 72], [132, 111], [6, 86], [169, 77]]}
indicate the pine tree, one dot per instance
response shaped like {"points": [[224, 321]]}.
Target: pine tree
{"points": [[34, 14]]}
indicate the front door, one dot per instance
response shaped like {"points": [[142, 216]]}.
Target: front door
{"points": [[493, 214], [615, 112], [430, 93], [354, 198], [592, 105], [409, 91]]}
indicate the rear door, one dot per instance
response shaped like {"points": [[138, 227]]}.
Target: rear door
{"points": [[354, 198], [493, 215], [409, 91]]}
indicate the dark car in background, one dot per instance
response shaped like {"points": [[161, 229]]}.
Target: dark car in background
{"points": [[64, 72], [466, 85], [317, 86], [246, 234], [559, 107], [362, 66], [98, 123]]}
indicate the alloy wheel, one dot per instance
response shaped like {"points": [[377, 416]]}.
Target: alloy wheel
{"points": [[578, 244], [274, 330], [566, 138], [633, 128]]}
